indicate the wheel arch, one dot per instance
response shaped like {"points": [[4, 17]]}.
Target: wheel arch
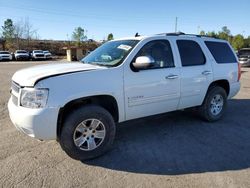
{"points": [[108, 102], [222, 83]]}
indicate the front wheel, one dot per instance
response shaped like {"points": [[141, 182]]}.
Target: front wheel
{"points": [[87, 132], [214, 104]]}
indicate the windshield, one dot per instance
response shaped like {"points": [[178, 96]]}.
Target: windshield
{"points": [[45, 51], [38, 51], [244, 52], [4, 53], [111, 53], [21, 52]]}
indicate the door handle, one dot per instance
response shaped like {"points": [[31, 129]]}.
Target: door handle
{"points": [[172, 76], [206, 72]]}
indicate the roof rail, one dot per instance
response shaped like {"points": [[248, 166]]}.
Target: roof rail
{"points": [[181, 33]]}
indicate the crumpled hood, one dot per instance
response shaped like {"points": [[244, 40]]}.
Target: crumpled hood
{"points": [[29, 76]]}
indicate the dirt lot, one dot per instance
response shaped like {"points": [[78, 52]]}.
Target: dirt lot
{"points": [[170, 150]]}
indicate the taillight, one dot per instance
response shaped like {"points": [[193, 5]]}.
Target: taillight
{"points": [[239, 71]]}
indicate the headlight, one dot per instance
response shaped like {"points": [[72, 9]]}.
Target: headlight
{"points": [[34, 98]]}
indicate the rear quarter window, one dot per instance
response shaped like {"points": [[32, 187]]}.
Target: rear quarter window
{"points": [[221, 52]]}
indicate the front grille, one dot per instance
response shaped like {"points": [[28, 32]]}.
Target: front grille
{"points": [[39, 55], [245, 56], [15, 87], [22, 56], [14, 100]]}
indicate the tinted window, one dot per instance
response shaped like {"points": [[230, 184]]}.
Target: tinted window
{"points": [[191, 53], [160, 51], [221, 51], [4, 53], [20, 52], [38, 51], [244, 52]]}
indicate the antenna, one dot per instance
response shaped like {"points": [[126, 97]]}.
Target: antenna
{"points": [[137, 35], [176, 24]]}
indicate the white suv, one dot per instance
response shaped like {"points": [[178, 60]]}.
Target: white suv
{"points": [[5, 55], [21, 55], [38, 55], [79, 104]]}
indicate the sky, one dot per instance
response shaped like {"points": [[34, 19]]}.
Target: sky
{"points": [[56, 19]]}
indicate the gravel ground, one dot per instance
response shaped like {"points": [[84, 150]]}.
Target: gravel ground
{"points": [[171, 150]]}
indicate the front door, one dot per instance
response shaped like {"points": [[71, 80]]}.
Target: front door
{"points": [[155, 89]]}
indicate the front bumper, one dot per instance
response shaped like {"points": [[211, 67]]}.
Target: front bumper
{"points": [[39, 57], [21, 57], [245, 63], [37, 123], [48, 56], [6, 58]]}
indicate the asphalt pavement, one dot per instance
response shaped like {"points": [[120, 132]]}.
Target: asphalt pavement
{"points": [[176, 149]]}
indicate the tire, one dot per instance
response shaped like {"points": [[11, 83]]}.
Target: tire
{"points": [[73, 138], [214, 104]]}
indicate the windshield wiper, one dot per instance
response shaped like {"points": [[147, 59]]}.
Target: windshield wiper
{"points": [[99, 64]]}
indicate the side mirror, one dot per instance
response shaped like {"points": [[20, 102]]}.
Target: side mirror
{"points": [[143, 62]]}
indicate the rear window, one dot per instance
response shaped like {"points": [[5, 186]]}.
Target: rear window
{"points": [[221, 51]]}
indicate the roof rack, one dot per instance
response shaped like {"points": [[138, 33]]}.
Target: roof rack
{"points": [[181, 33]]}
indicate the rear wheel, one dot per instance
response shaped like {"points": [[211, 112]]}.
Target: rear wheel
{"points": [[87, 133], [214, 104]]}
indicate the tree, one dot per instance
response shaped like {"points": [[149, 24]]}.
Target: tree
{"points": [[28, 30], [224, 34], [110, 37], [247, 42], [79, 35], [8, 29], [238, 42], [18, 33], [8, 33], [226, 30], [202, 33], [212, 34]]}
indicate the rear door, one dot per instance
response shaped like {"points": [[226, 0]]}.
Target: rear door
{"points": [[196, 72], [224, 62]]}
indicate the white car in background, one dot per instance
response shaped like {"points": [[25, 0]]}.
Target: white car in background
{"points": [[5, 55], [21, 55], [244, 57], [47, 54], [37, 55]]}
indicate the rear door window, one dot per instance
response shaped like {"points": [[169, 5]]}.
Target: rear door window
{"points": [[221, 52], [191, 53]]}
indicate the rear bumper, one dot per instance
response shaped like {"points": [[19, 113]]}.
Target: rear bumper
{"points": [[37, 123], [234, 89]]}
